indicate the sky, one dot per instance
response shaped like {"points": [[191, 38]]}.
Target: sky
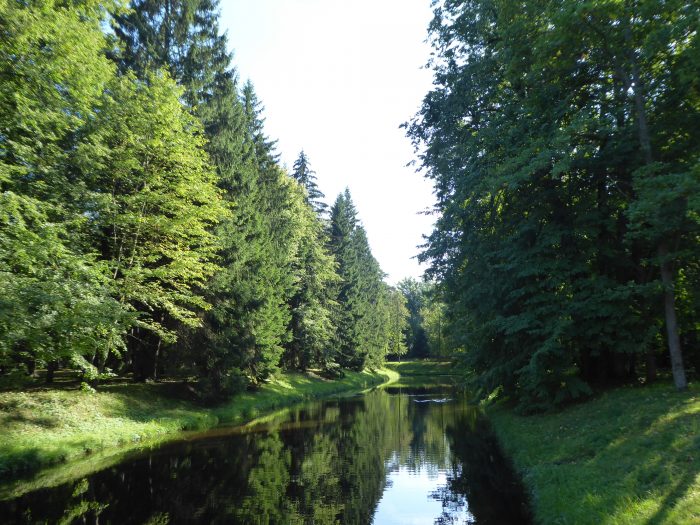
{"points": [[337, 78]]}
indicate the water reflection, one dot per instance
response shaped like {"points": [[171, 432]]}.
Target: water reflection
{"points": [[387, 457]]}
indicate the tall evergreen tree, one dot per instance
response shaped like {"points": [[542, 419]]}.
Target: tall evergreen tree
{"points": [[361, 329], [304, 175], [343, 222], [181, 36], [311, 304], [246, 327]]}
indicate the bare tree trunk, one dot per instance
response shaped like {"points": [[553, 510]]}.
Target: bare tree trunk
{"points": [[674, 342]]}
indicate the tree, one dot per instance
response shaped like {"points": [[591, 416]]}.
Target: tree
{"points": [[311, 304], [414, 293], [397, 324], [343, 222], [183, 37], [304, 175], [156, 202], [549, 230], [57, 302], [247, 325], [361, 327]]}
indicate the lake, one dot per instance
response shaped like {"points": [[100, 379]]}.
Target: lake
{"points": [[391, 456]]}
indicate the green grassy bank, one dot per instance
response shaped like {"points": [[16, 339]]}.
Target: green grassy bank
{"points": [[44, 428], [421, 372], [630, 456]]}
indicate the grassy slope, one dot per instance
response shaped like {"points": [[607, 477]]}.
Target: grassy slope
{"points": [[48, 427], [629, 456], [427, 371]]}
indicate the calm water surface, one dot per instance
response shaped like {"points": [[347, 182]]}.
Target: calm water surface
{"points": [[393, 456]]}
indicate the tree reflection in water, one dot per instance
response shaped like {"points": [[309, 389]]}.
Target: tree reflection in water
{"points": [[324, 463]]}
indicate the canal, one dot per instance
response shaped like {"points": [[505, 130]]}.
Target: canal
{"points": [[391, 456]]}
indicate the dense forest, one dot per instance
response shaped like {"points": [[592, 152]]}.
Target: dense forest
{"points": [[147, 226], [562, 140]]}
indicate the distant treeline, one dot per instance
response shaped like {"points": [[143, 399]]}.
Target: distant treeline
{"points": [[563, 140], [146, 225]]}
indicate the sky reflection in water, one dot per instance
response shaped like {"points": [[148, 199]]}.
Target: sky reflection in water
{"points": [[381, 458]]}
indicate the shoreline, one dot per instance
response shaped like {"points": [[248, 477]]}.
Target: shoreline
{"points": [[50, 436]]}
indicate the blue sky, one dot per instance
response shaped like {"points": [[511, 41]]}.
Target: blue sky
{"points": [[337, 78]]}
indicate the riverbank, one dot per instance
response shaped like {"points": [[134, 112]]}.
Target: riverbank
{"points": [[44, 428], [424, 372], [630, 456]]}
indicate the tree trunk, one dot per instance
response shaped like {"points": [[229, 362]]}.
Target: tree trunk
{"points": [[51, 368], [156, 355], [674, 342]]}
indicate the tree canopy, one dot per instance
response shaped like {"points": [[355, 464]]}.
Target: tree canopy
{"points": [[559, 140], [146, 224]]}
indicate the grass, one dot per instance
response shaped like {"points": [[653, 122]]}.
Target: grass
{"points": [[630, 456], [427, 371], [47, 427]]}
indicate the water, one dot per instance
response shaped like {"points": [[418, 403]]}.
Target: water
{"points": [[392, 456]]}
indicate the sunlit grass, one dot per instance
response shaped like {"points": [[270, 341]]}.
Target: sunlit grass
{"points": [[426, 371], [630, 456], [43, 428]]}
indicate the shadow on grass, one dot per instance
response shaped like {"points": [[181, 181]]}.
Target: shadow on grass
{"points": [[628, 457], [129, 415], [663, 460], [12, 411]]}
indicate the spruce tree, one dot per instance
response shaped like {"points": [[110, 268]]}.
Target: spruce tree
{"points": [[311, 303], [362, 334], [304, 175], [247, 324]]}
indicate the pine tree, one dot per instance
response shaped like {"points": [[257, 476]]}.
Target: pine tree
{"points": [[362, 334], [311, 304], [181, 36], [343, 222], [246, 326], [304, 175]]}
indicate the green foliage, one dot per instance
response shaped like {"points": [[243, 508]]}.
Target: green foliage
{"points": [[397, 322], [311, 303], [146, 224], [56, 299], [157, 201], [304, 175], [558, 139], [416, 295], [361, 316]]}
